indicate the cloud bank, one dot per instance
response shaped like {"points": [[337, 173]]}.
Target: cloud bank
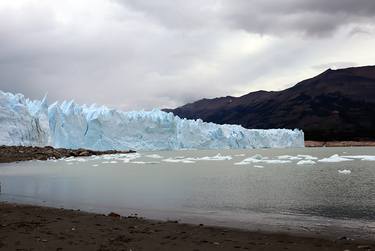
{"points": [[138, 54]]}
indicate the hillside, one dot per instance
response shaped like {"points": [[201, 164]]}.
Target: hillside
{"points": [[335, 105]]}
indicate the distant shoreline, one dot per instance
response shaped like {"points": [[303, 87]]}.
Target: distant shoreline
{"points": [[23, 153], [311, 143], [36, 227]]}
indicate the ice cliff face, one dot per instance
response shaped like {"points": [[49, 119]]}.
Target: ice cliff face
{"points": [[23, 122], [68, 125]]}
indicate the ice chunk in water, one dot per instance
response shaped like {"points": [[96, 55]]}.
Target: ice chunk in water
{"points": [[306, 162], [185, 161], [242, 163], [257, 166], [334, 158], [154, 156], [361, 157], [276, 161], [144, 162], [216, 157], [345, 171], [288, 157], [260, 159]]}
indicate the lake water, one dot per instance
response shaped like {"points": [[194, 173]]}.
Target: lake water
{"points": [[299, 190]]}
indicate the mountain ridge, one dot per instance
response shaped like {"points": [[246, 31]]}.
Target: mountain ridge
{"points": [[334, 105]]}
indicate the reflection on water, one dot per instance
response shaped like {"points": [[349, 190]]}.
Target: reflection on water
{"points": [[278, 182]]}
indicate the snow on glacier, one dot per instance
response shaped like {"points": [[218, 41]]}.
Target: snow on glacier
{"points": [[69, 125]]}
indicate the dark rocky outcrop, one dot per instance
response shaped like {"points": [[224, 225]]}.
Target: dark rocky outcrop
{"points": [[22, 153]]}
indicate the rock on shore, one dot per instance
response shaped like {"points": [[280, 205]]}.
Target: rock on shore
{"points": [[22, 153]]}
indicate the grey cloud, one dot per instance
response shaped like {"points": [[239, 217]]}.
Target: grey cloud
{"points": [[131, 64], [178, 14], [144, 54], [308, 17], [334, 65]]}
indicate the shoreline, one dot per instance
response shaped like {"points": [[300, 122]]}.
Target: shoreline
{"points": [[23, 153], [26, 227], [313, 143]]}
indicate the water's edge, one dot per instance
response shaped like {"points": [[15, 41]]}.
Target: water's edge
{"points": [[294, 225]]}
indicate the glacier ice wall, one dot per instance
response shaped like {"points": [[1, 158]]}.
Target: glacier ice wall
{"points": [[69, 125], [23, 122]]}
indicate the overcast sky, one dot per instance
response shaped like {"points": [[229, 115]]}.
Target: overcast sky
{"points": [[134, 54]]}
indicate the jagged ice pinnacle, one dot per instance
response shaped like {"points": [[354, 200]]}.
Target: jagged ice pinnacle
{"points": [[69, 125]]}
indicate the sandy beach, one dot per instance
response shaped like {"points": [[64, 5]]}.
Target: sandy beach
{"points": [[24, 227]]}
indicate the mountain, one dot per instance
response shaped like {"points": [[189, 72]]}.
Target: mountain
{"points": [[335, 105]]}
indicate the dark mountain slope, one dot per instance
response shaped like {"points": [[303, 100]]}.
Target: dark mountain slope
{"points": [[335, 105]]}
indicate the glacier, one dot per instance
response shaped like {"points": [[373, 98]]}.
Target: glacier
{"points": [[69, 125]]}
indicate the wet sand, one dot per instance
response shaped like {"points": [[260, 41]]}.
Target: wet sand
{"points": [[24, 227]]}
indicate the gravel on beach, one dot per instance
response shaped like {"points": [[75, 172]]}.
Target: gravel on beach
{"points": [[24, 227]]}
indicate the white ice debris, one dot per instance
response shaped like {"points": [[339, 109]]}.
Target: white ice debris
{"points": [[307, 157], [260, 159], [144, 162], [288, 157], [306, 162], [361, 157], [216, 157], [276, 161], [257, 166], [242, 163], [175, 160], [298, 157], [154, 156], [334, 158], [282, 159], [68, 125], [345, 171]]}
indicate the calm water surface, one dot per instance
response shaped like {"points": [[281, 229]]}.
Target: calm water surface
{"points": [[269, 192]]}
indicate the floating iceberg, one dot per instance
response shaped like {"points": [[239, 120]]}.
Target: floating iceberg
{"points": [[257, 158], [345, 171], [69, 125], [257, 166], [306, 162], [334, 158], [361, 157], [216, 157]]}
